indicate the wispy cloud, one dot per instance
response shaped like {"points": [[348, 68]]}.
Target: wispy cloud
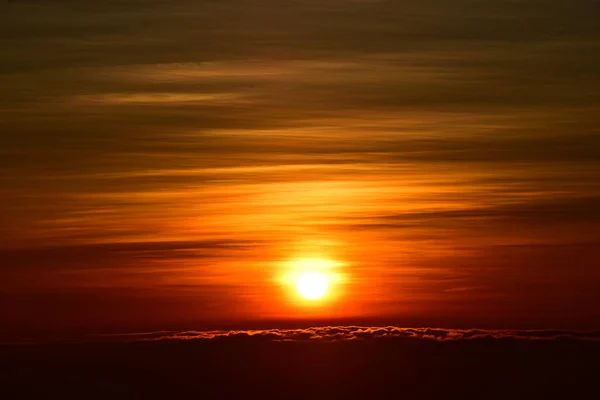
{"points": [[432, 147]]}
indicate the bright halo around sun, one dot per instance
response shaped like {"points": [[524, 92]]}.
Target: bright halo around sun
{"points": [[313, 282], [312, 285]]}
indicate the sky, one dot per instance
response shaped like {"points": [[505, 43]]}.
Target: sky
{"points": [[176, 162]]}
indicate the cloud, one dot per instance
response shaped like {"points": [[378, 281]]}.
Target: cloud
{"points": [[351, 333], [317, 363], [73, 256], [537, 211]]}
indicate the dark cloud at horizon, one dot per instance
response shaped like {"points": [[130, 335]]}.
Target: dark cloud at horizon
{"points": [[328, 334], [377, 363]]}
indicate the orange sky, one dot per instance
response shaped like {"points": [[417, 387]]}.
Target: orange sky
{"points": [[166, 163]]}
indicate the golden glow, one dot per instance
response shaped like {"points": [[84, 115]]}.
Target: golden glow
{"points": [[313, 282], [312, 285]]}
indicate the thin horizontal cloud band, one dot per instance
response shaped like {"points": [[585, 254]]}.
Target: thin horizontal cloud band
{"points": [[349, 333]]}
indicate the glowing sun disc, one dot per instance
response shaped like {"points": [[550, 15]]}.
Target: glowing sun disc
{"points": [[312, 285]]}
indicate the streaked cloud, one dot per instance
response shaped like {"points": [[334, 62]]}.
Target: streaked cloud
{"points": [[433, 148]]}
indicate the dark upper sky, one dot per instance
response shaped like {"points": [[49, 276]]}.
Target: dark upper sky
{"points": [[176, 161]]}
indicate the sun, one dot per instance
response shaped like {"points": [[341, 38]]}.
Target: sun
{"points": [[312, 285], [316, 283]]}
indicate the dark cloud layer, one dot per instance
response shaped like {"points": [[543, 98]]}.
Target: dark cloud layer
{"points": [[378, 363], [345, 333]]}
